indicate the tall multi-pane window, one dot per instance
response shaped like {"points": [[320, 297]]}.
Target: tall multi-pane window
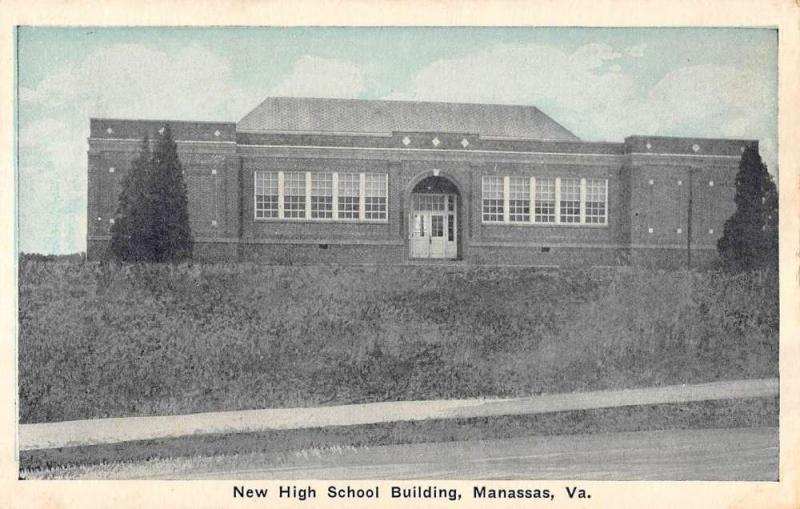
{"points": [[316, 195], [322, 195], [294, 194], [545, 200], [570, 200], [519, 199], [567, 200], [595, 212], [349, 187], [492, 198], [375, 196], [266, 186]]}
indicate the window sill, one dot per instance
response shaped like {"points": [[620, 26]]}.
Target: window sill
{"points": [[546, 225], [319, 220]]}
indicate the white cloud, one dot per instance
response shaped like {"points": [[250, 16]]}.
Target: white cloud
{"points": [[705, 100], [551, 79], [36, 132], [594, 55], [313, 76], [133, 80], [637, 50]]}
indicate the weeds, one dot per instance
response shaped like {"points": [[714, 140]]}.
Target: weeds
{"points": [[99, 340]]}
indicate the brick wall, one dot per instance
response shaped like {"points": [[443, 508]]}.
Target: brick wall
{"points": [[669, 190]]}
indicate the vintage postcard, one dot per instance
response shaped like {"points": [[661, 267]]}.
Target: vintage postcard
{"points": [[403, 264]]}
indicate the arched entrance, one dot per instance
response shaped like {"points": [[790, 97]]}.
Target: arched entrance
{"points": [[433, 222]]}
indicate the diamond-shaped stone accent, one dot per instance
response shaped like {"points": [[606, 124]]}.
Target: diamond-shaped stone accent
{"points": [[464, 143], [109, 130], [435, 142], [161, 131], [695, 148], [406, 141], [649, 145], [216, 133]]}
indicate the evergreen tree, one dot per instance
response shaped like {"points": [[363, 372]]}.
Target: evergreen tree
{"points": [[750, 235], [171, 235], [152, 221]]}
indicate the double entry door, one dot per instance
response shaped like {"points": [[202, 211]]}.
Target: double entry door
{"points": [[432, 230]]}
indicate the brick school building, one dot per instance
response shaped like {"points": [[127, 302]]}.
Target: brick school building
{"points": [[302, 180]]}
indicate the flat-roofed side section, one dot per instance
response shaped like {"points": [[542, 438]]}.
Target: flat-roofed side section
{"points": [[211, 173], [682, 192]]}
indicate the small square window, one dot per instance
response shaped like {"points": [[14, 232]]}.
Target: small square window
{"points": [[711, 183], [649, 230], [678, 230], [111, 170], [213, 172], [711, 231], [680, 182], [650, 182]]}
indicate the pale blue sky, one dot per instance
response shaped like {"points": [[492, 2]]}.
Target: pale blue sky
{"points": [[602, 84]]}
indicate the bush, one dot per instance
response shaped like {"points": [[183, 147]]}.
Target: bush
{"points": [[99, 339]]}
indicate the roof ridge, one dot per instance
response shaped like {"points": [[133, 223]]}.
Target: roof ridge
{"points": [[352, 99]]}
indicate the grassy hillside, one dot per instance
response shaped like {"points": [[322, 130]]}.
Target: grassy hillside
{"points": [[100, 340]]}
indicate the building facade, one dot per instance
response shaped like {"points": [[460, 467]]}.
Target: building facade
{"points": [[302, 180]]}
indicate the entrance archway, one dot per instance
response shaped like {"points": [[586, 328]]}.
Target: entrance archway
{"points": [[433, 219]]}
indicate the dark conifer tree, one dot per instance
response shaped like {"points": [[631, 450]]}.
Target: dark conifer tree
{"points": [[171, 234], [750, 235], [152, 220]]}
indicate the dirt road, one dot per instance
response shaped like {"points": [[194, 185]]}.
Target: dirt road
{"points": [[708, 454]]}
